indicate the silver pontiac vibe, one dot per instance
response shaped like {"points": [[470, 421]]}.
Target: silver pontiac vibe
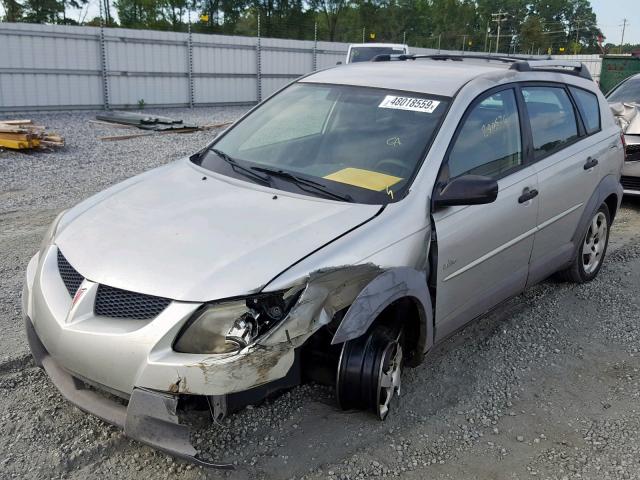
{"points": [[336, 232]]}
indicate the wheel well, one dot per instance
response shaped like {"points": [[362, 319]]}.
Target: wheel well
{"points": [[406, 312], [612, 204]]}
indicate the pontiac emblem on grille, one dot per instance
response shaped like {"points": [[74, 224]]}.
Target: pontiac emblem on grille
{"points": [[77, 296]]}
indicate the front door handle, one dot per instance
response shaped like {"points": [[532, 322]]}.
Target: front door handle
{"points": [[527, 194], [590, 163]]}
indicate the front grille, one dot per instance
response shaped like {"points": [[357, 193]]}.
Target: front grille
{"points": [[632, 152], [630, 183], [71, 278], [116, 303]]}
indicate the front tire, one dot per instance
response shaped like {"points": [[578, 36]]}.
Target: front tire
{"points": [[369, 372], [590, 255]]}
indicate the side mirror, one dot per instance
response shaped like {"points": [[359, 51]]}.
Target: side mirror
{"points": [[466, 190]]}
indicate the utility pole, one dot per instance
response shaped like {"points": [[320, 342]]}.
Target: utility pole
{"points": [[498, 18], [624, 25], [486, 37], [464, 40]]}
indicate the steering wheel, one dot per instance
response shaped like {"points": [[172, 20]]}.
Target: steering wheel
{"points": [[393, 166]]}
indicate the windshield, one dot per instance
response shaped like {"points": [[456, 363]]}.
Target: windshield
{"points": [[364, 54], [364, 144], [627, 92]]}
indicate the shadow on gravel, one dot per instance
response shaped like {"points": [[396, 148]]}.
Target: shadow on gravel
{"points": [[632, 203]]}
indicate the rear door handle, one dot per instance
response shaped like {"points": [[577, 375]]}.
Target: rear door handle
{"points": [[590, 163], [527, 194]]}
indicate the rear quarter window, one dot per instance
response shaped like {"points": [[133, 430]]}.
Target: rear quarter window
{"points": [[589, 109]]}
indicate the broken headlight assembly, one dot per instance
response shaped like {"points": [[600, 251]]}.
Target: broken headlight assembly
{"points": [[228, 327]]}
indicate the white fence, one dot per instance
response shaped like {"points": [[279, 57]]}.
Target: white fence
{"points": [[56, 67], [53, 67]]}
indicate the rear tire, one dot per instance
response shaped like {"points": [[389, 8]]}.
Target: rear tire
{"points": [[369, 372], [592, 250]]}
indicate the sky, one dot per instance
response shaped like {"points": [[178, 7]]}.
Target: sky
{"points": [[610, 14]]}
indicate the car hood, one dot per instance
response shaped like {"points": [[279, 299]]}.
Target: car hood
{"points": [[173, 234]]}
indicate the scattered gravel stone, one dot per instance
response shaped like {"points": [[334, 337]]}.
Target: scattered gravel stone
{"points": [[560, 359]]}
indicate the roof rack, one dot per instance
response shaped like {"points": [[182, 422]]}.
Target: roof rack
{"points": [[572, 68], [521, 64], [386, 57]]}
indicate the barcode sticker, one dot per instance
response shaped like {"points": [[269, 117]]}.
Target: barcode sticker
{"points": [[409, 103]]}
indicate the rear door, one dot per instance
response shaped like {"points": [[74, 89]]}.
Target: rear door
{"points": [[566, 155], [483, 250]]}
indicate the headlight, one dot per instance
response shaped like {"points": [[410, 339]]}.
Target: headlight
{"points": [[228, 327], [50, 233]]}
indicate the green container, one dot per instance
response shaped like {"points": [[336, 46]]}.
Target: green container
{"points": [[616, 68]]}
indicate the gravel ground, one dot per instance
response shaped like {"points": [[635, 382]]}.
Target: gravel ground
{"points": [[547, 386]]}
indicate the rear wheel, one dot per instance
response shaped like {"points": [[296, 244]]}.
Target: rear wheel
{"points": [[590, 255], [369, 372]]}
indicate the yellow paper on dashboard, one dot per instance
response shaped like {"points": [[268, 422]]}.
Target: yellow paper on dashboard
{"points": [[362, 178]]}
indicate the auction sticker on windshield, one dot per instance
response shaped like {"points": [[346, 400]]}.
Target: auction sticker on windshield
{"points": [[409, 103]]}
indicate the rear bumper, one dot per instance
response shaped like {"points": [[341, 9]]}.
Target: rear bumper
{"points": [[631, 178], [150, 417], [631, 167]]}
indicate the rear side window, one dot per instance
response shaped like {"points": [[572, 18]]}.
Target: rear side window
{"points": [[552, 118], [489, 141], [589, 109]]}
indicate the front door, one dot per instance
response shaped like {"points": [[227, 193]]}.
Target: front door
{"points": [[483, 250]]}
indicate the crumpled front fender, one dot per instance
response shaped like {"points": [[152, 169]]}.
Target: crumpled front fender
{"points": [[382, 291], [366, 290]]}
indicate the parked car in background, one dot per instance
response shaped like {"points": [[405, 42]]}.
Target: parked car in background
{"points": [[337, 232], [364, 52], [624, 99]]}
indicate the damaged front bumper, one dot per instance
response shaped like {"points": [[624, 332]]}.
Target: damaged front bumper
{"points": [[135, 361], [132, 359], [150, 417]]}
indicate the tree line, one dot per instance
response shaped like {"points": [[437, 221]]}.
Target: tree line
{"points": [[530, 26]]}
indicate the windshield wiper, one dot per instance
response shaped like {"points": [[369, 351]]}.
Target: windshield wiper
{"points": [[318, 187], [239, 168]]}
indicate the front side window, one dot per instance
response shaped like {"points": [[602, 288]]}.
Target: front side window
{"points": [[489, 141], [626, 92], [589, 109], [552, 119], [364, 143]]}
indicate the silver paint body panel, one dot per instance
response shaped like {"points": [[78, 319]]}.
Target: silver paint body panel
{"points": [[175, 235]]}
